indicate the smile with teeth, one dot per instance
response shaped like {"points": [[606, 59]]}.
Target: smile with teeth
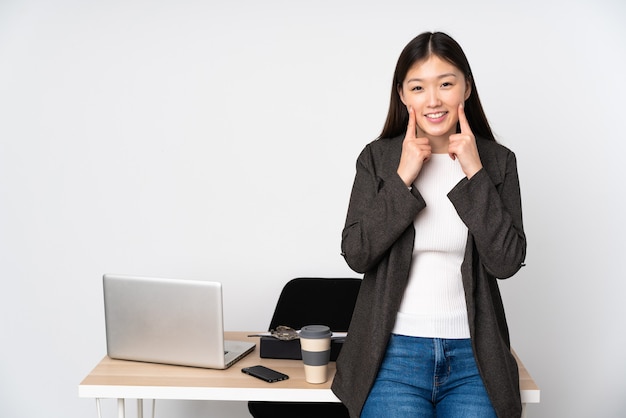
{"points": [[435, 115]]}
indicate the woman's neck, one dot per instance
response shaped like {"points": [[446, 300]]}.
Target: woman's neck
{"points": [[439, 145]]}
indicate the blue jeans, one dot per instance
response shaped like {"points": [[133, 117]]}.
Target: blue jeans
{"points": [[427, 378]]}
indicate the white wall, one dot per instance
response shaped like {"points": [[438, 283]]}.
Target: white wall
{"points": [[217, 140]]}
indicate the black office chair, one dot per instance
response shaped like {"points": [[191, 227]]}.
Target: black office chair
{"points": [[299, 305]]}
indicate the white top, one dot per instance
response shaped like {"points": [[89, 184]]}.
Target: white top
{"points": [[433, 305]]}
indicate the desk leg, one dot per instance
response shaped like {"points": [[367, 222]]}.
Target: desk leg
{"points": [[139, 408], [523, 410], [121, 413]]}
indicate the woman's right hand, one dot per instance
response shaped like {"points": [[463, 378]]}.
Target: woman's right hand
{"points": [[415, 152]]}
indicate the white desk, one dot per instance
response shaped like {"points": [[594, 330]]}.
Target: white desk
{"points": [[135, 380]]}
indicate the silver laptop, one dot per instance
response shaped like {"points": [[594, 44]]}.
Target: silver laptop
{"points": [[168, 321]]}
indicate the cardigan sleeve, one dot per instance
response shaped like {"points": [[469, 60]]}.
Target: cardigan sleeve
{"points": [[381, 208], [493, 215]]}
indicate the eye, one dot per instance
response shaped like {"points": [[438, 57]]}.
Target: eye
{"points": [[447, 84], [416, 88]]}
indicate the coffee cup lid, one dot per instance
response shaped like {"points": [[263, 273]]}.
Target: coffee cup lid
{"points": [[315, 332]]}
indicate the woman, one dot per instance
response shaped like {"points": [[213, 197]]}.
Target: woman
{"points": [[434, 219]]}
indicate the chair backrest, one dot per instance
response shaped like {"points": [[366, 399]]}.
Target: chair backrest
{"points": [[308, 300]]}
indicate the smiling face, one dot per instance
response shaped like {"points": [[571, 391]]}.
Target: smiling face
{"points": [[434, 88]]}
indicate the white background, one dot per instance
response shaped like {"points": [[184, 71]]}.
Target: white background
{"points": [[217, 140]]}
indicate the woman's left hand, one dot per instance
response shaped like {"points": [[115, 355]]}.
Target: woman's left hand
{"points": [[463, 147]]}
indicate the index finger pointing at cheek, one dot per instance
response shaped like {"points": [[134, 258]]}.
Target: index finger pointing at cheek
{"points": [[411, 129], [417, 128], [464, 124]]}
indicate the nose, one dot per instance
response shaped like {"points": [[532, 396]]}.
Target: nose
{"points": [[433, 98]]}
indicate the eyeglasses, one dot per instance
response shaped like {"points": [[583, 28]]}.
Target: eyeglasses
{"points": [[282, 332]]}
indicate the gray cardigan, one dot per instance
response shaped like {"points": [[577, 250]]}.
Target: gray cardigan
{"points": [[378, 240]]}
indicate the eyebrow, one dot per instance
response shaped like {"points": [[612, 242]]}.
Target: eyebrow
{"points": [[438, 77]]}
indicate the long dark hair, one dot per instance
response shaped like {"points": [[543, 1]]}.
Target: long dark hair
{"points": [[446, 48]]}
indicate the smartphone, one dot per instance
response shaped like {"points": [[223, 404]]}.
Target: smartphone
{"points": [[265, 373]]}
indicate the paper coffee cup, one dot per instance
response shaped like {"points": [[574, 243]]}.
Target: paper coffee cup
{"points": [[315, 343]]}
